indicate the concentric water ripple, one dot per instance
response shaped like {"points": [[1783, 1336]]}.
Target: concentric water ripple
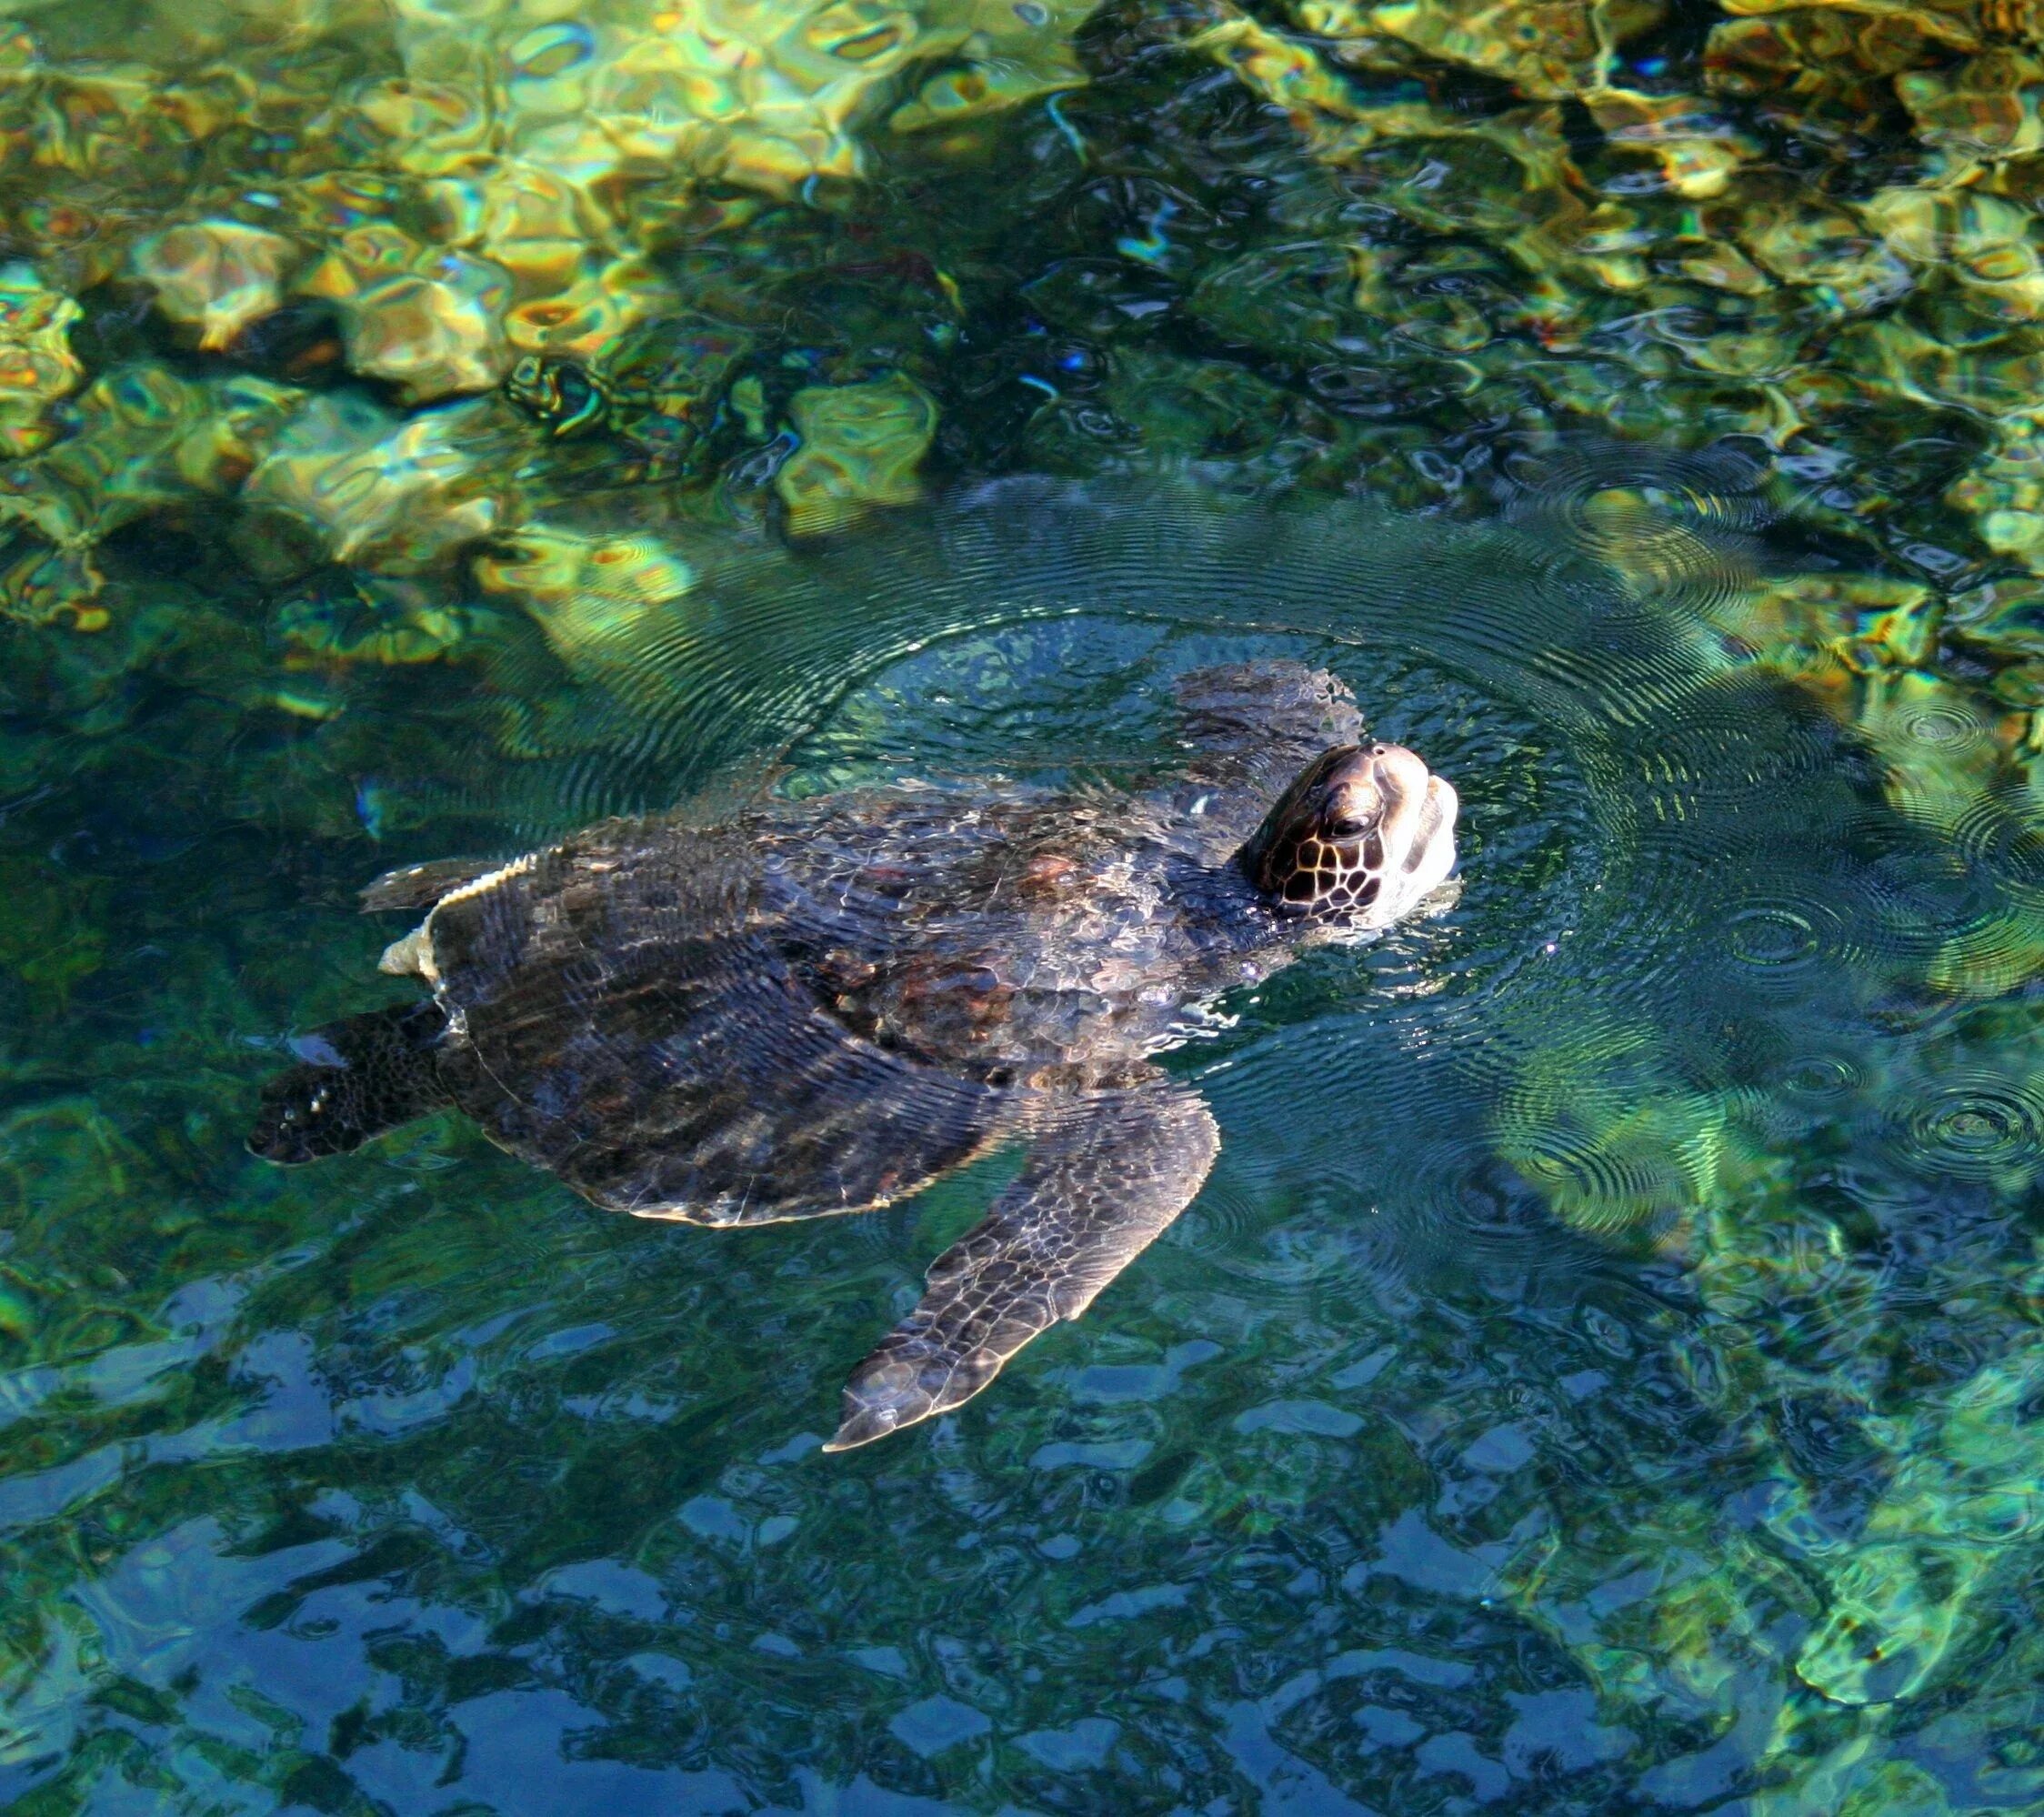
{"points": [[1822, 1079], [1948, 729], [1919, 897], [1973, 1124], [1999, 831], [1679, 526], [1777, 937]]}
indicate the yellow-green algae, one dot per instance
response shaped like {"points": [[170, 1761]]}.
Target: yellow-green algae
{"points": [[481, 181], [36, 363], [589, 594]]}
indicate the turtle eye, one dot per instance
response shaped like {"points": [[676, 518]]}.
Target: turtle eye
{"points": [[1347, 827]]}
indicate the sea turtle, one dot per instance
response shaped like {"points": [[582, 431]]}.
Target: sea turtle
{"points": [[820, 1005]]}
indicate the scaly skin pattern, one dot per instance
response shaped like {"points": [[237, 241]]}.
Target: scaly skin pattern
{"points": [[823, 1006]]}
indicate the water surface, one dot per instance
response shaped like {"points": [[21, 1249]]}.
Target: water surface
{"points": [[1601, 1372]]}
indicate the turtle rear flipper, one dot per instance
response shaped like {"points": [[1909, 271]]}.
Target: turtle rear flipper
{"points": [[420, 886], [358, 1078], [1096, 1190]]}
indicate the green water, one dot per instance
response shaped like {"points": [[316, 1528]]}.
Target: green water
{"points": [[1602, 1372]]}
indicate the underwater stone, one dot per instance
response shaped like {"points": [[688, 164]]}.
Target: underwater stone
{"points": [[595, 599], [2001, 617], [146, 439], [1723, 267], [1983, 240], [667, 380], [378, 621], [36, 363], [1954, 23], [1787, 262], [1548, 49], [1601, 1129], [431, 336], [2005, 493], [1815, 625], [216, 275], [1007, 54], [1966, 1495], [427, 127], [1893, 1612], [1826, 250], [762, 94], [861, 445], [1605, 244], [560, 394], [1818, 55], [1289, 76], [1697, 148], [1994, 373], [526, 218], [1858, 644], [1986, 108], [500, 193], [394, 495], [1937, 744], [587, 318]]}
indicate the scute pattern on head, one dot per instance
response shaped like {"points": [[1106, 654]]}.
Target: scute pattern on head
{"points": [[1332, 877]]}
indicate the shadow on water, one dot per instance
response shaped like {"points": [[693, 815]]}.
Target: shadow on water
{"points": [[410, 1480]]}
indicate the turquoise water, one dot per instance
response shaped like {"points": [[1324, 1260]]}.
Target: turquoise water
{"points": [[1601, 1373]]}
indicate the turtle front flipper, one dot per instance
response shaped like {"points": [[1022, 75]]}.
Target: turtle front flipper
{"points": [[1096, 1188], [359, 1077]]}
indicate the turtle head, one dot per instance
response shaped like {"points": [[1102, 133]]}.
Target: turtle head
{"points": [[1363, 833]]}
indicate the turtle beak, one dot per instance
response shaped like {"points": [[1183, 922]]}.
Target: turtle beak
{"points": [[1418, 828]]}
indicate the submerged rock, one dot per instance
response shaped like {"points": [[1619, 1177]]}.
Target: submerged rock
{"points": [[36, 364], [216, 275], [860, 445], [145, 440], [468, 185], [394, 495], [597, 599], [1962, 1500]]}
